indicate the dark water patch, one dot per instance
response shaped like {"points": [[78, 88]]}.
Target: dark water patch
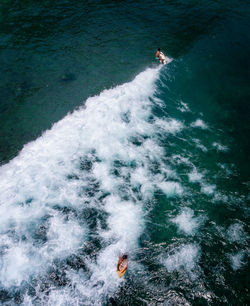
{"points": [[68, 77], [5, 296], [95, 218], [137, 141], [126, 117], [57, 276], [76, 262], [92, 248], [65, 210], [91, 190], [86, 164], [15, 296], [40, 234], [73, 177], [29, 201]]}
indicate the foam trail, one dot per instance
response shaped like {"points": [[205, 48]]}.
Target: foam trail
{"points": [[89, 176]]}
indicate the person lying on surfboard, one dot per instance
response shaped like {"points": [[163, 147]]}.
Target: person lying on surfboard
{"points": [[122, 265], [160, 55]]}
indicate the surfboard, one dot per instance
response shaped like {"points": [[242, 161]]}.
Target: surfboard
{"points": [[121, 273], [167, 60], [122, 267]]}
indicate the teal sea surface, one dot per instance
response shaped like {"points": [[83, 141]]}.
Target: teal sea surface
{"points": [[104, 152]]}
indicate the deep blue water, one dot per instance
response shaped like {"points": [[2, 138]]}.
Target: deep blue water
{"points": [[105, 152]]}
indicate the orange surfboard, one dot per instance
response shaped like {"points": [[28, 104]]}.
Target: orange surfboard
{"points": [[122, 265]]}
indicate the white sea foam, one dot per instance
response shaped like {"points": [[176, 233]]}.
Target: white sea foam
{"points": [[183, 107], [185, 257], [195, 176], [236, 233], [64, 236], [199, 145], [171, 188], [208, 189], [199, 124], [171, 125], [227, 168], [179, 159], [220, 197], [237, 260], [168, 59], [23, 258], [186, 221], [70, 168], [220, 147]]}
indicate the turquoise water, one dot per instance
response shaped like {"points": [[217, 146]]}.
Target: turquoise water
{"points": [[104, 152]]}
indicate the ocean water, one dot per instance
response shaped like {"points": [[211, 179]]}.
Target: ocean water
{"points": [[104, 152]]}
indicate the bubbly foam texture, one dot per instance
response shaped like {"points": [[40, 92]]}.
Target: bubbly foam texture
{"points": [[184, 107], [168, 59], [236, 233], [171, 125], [179, 159], [237, 260], [22, 258], [186, 221], [199, 145], [195, 176], [185, 257], [199, 124], [171, 188], [208, 189], [95, 162], [228, 169], [220, 147]]}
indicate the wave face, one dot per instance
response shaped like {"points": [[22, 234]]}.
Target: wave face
{"points": [[76, 198]]}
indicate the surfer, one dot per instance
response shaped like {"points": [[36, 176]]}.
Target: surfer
{"points": [[160, 55], [122, 265]]}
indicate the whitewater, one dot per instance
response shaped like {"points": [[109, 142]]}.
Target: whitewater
{"points": [[81, 195], [88, 178]]}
